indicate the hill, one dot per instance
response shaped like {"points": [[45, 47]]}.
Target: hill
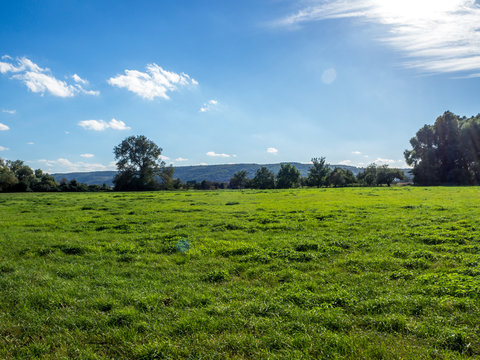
{"points": [[218, 173]]}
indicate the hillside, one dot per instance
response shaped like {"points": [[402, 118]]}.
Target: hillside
{"points": [[218, 173]]}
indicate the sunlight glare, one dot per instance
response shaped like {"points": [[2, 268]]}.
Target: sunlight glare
{"points": [[395, 10]]}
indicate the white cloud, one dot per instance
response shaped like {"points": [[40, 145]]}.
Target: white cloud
{"points": [[209, 105], [346, 162], [272, 150], [3, 148], [40, 80], [79, 80], [437, 36], [214, 154], [179, 159], [11, 112], [30, 143], [156, 82], [203, 164], [356, 152], [164, 158], [100, 125], [379, 161], [391, 162], [65, 165], [40, 83], [4, 127], [87, 156], [118, 125]]}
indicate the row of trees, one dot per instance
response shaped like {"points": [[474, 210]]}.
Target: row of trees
{"points": [[140, 167], [15, 176], [320, 174], [447, 152]]}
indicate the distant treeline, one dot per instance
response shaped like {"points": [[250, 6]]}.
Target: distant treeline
{"points": [[445, 153], [320, 175], [15, 176]]}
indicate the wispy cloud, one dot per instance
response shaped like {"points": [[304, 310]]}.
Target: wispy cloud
{"points": [[3, 148], [209, 105], [156, 82], [437, 36], [272, 150], [391, 162], [65, 165], [40, 80], [4, 127], [214, 154], [87, 156], [356, 152], [378, 161], [101, 125], [30, 143], [11, 112], [180, 159], [79, 80]]}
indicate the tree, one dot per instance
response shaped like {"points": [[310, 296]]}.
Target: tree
{"points": [[340, 177], [263, 179], [239, 180], [288, 176], [447, 152], [318, 173], [139, 164], [369, 175], [44, 182], [385, 175], [7, 177], [24, 174]]}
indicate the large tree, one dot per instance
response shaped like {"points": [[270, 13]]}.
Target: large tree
{"points": [[447, 152], [139, 164]]}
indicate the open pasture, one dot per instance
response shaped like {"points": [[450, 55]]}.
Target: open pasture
{"points": [[367, 273]]}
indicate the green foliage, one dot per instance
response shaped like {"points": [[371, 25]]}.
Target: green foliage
{"points": [[139, 165], [331, 273], [378, 175], [340, 177], [239, 180], [288, 177], [264, 179], [318, 173], [447, 152]]}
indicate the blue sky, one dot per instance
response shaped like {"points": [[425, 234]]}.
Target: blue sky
{"points": [[231, 81]]}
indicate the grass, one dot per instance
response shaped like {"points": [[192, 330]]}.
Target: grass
{"points": [[364, 273]]}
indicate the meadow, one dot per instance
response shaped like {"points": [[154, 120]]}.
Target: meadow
{"points": [[348, 273]]}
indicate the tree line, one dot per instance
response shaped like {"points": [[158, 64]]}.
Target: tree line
{"points": [[445, 153], [15, 176], [140, 168], [320, 175]]}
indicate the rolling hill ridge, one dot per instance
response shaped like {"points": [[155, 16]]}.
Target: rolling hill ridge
{"points": [[218, 173]]}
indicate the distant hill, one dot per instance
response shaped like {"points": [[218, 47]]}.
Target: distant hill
{"points": [[218, 173]]}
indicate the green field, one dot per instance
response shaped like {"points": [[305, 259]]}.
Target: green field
{"points": [[367, 273]]}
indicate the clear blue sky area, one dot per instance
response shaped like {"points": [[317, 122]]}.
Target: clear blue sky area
{"points": [[215, 82]]}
